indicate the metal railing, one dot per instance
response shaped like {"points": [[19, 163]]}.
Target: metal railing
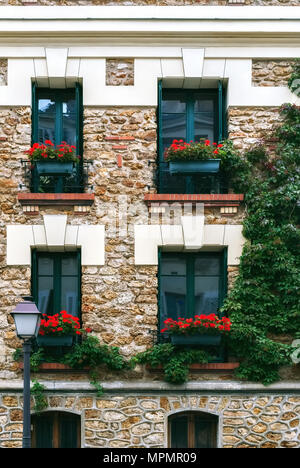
{"points": [[76, 182]]}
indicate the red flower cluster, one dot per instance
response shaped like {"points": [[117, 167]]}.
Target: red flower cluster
{"points": [[199, 324], [61, 324], [179, 149], [179, 145], [47, 150]]}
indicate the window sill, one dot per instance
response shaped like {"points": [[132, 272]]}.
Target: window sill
{"points": [[214, 199], [32, 201]]}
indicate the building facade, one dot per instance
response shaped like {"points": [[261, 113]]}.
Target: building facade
{"points": [[120, 242]]}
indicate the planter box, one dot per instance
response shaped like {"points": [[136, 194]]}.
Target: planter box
{"points": [[54, 168], [66, 340], [57, 367], [210, 366], [205, 340], [194, 167]]}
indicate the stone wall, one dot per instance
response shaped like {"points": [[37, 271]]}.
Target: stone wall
{"points": [[141, 420], [120, 72], [119, 299], [3, 72], [151, 2], [271, 72], [248, 125]]}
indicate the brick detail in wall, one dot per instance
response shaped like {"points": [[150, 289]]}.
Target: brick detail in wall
{"points": [[231, 199]]}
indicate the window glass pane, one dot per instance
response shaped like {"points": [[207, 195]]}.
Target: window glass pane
{"points": [[179, 432], [173, 106], [174, 128], [173, 297], [204, 126], [174, 265], [207, 266], [69, 122], [45, 266], [204, 105], [69, 106], [206, 295], [45, 295], [46, 106], [69, 294], [69, 265]]}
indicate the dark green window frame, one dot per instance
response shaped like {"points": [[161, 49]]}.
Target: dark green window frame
{"points": [[190, 279], [57, 278], [58, 96], [75, 183], [184, 183]]}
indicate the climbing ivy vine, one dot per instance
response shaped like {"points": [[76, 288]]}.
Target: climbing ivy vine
{"points": [[264, 303]]}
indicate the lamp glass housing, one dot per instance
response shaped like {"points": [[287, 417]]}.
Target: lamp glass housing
{"points": [[27, 319]]}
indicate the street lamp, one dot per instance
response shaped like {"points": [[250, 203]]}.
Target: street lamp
{"points": [[27, 319]]}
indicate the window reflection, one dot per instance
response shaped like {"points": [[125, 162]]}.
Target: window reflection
{"points": [[189, 285]]}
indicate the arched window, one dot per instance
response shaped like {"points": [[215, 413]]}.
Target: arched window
{"points": [[193, 430], [55, 430]]}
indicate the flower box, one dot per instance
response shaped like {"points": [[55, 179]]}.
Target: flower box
{"points": [[196, 339], [211, 166], [65, 340], [54, 168]]}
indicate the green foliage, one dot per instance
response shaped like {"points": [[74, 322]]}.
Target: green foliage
{"points": [[91, 354], [175, 361], [265, 299], [294, 80], [37, 391]]}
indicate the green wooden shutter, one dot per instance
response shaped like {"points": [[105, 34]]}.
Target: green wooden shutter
{"points": [[44, 431], [68, 431]]}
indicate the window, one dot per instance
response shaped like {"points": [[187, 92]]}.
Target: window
{"points": [[189, 115], [193, 430], [57, 116], [191, 283], [56, 430], [56, 282]]}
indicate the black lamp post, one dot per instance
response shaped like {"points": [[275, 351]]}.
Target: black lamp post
{"points": [[27, 319]]}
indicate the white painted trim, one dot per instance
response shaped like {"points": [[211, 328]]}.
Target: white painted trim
{"points": [[191, 235], [158, 51], [139, 20], [55, 236]]}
